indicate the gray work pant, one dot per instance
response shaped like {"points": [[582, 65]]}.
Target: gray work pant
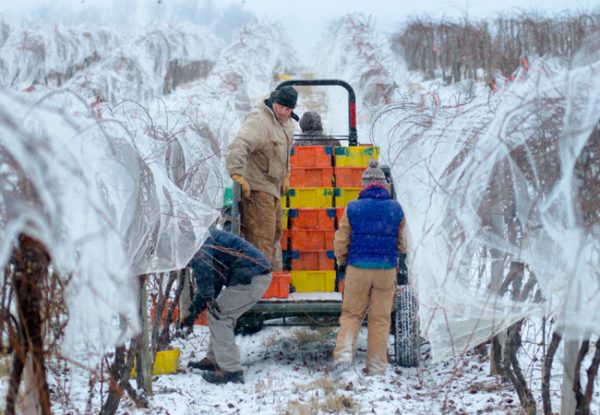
{"points": [[234, 301]]}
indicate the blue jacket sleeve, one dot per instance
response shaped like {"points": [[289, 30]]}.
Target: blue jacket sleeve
{"points": [[203, 272]]}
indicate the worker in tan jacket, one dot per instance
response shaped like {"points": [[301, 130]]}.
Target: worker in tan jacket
{"points": [[259, 161], [368, 242]]}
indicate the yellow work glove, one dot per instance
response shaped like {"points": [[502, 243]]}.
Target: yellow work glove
{"points": [[243, 184], [285, 185]]}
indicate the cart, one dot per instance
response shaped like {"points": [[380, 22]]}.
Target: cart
{"points": [[320, 308]]}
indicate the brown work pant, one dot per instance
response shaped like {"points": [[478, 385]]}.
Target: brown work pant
{"points": [[375, 290], [261, 223]]}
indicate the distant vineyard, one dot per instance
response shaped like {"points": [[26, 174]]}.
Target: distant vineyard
{"points": [[467, 49]]}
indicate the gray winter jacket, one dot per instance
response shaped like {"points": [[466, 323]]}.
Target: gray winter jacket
{"points": [[312, 132]]}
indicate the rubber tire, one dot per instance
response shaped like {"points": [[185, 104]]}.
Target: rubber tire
{"points": [[248, 325], [406, 342]]}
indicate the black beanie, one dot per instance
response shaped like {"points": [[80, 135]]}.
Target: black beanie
{"points": [[286, 96]]}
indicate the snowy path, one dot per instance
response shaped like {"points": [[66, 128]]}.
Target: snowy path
{"points": [[286, 371]]}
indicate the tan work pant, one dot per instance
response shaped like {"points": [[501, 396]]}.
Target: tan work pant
{"points": [[261, 223], [373, 290]]}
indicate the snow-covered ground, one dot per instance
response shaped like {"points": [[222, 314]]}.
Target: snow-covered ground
{"points": [[119, 139], [287, 371]]}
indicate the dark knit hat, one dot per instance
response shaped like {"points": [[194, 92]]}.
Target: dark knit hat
{"points": [[373, 174], [286, 96], [311, 122]]}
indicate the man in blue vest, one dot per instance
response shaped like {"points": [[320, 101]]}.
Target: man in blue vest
{"points": [[225, 260], [368, 241]]}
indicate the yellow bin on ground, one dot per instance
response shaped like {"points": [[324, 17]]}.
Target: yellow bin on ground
{"points": [[166, 362]]}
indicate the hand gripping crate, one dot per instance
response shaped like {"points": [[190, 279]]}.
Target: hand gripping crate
{"points": [[355, 156], [311, 156], [313, 281], [312, 218], [310, 197]]}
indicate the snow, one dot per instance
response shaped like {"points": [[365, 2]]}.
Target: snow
{"points": [[287, 370], [113, 157]]}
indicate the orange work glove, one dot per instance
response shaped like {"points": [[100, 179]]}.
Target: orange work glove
{"points": [[243, 184], [285, 185]]}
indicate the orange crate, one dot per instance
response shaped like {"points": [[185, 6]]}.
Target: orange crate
{"points": [[312, 218], [202, 319], [284, 239], [311, 177], [348, 176], [339, 213], [311, 156], [163, 317], [280, 286], [311, 239], [312, 260], [340, 285]]}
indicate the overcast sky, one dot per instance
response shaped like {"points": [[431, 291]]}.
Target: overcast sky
{"points": [[305, 20]]}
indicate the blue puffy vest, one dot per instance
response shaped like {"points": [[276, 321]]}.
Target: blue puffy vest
{"points": [[374, 221]]}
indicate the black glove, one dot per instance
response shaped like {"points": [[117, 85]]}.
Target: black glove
{"points": [[197, 306], [214, 308], [402, 277], [341, 270], [188, 321]]}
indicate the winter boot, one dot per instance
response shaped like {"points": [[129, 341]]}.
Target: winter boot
{"points": [[204, 364], [220, 376], [340, 369]]}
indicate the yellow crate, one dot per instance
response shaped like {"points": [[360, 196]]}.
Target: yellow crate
{"points": [[345, 195], [355, 156], [310, 197], [285, 218], [313, 281], [165, 362]]}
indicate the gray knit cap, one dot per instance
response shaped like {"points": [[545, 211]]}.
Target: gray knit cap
{"points": [[311, 122], [373, 174]]}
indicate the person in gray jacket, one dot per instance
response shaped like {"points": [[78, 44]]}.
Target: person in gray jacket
{"points": [[312, 132], [225, 260], [259, 161]]}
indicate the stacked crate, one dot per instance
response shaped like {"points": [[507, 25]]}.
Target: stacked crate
{"points": [[311, 218], [323, 180], [350, 164]]}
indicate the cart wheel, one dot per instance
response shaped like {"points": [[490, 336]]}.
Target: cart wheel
{"points": [[248, 325], [406, 342]]}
